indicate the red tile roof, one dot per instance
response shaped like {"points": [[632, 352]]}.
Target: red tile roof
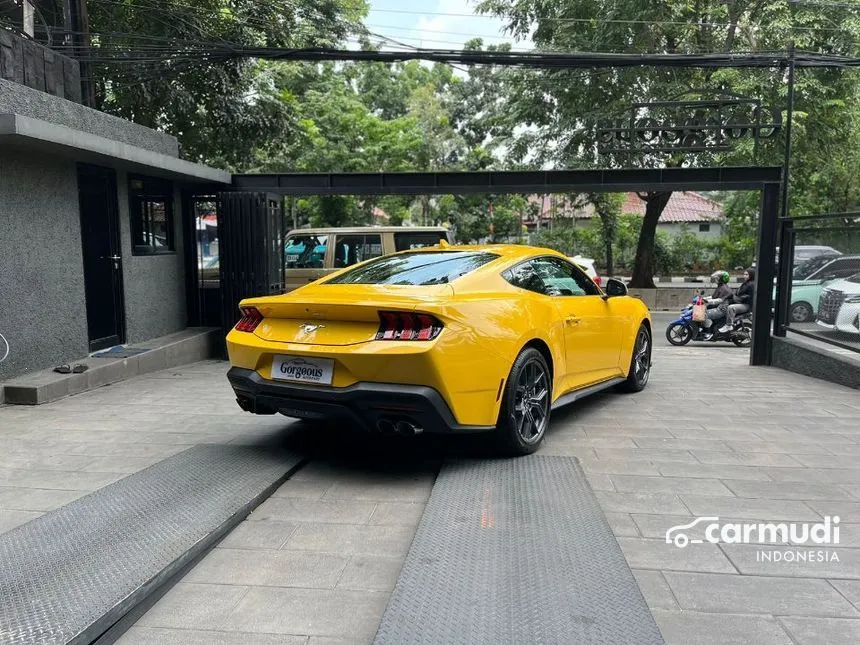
{"points": [[682, 207]]}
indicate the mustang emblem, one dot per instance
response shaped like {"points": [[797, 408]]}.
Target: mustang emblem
{"points": [[308, 329]]}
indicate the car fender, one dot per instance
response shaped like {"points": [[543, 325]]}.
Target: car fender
{"points": [[524, 340]]}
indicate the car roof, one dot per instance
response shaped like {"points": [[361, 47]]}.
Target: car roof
{"points": [[369, 229], [510, 251], [854, 256]]}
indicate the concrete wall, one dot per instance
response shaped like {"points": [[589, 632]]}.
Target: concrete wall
{"points": [[154, 284], [673, 229], [42, 304], [668, 298], [816, 360], [18, 99]]}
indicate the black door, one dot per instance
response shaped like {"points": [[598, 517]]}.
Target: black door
{"points": [[102, 260]]}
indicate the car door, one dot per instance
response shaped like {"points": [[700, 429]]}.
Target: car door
{"points": [[590, 330]]}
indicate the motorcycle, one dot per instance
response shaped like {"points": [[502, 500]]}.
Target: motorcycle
{"points": [[685, 329]]}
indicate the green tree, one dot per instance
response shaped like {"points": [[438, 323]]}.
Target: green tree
{"points": [[559, 104], [607, 206], [223, 112]]}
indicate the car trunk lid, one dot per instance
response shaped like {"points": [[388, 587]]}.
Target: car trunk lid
{"points": [[339, 314]]}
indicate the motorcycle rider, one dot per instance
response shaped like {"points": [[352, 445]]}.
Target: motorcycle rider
{"points": [[723, 289], [742, 301], [723, 292]]}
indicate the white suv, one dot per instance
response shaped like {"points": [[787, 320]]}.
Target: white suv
{"points": [[839, 305], [587, 265]]}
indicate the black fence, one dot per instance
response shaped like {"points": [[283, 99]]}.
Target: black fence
{"points": [[818, 279], [251, 249]]}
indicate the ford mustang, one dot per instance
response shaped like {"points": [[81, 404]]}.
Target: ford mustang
{"points": [[442, 339]]}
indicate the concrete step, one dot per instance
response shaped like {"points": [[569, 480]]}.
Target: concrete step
{"points": [[187, 346]]}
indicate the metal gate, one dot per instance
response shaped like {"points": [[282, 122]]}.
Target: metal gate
{"points": [[251, 235]]}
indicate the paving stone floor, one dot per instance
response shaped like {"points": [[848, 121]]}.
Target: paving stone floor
{"points": [[314, 564]]}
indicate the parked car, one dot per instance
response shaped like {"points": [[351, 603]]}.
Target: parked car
{"points": [[839, 305], [311, 253], [811, 277], [587, 265], [804, 252], [457, 339]]}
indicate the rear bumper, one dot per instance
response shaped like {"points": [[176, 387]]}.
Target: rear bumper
{"points": [[361, 403]]}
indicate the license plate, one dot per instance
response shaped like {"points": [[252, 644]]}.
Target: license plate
{"points": [[301, 369]]}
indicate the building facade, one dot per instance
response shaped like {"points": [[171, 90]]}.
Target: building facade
{"points": [[95, 222], [686, 211]]}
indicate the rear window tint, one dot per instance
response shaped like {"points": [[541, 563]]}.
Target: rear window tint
{"points": [[415, 268]]}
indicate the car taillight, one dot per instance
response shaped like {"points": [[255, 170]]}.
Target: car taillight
{"points": [[251, 317], [403, 325], [597, 281]]}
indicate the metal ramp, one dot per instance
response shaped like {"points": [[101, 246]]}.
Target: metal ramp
{"points": [[68, 576], [515, 551]]}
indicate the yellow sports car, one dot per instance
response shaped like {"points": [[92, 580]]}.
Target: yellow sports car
{"points": [[442, 339]]}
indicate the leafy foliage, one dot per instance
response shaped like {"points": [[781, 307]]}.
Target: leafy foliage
{"points": [[222, 112], [558, 106]]}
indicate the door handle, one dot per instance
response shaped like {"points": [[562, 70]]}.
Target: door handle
{"points": [[572, 320]]}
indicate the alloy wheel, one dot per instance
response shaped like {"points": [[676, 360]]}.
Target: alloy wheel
{"points": [[530, 411], [642, 357]]}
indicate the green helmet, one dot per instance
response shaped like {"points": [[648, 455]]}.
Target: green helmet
{"points": [[720, 277]]}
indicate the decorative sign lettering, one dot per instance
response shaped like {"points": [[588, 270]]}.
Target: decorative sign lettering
{"points": [[688, 126]]}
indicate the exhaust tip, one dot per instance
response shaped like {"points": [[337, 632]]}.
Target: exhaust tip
{"points": [[408, 428], [386, 426]]}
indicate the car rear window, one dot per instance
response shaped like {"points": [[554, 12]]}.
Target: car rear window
{"points": [[415, 268], [410, 241]]}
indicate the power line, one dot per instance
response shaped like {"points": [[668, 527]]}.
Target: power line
{"points": [[550, 60]]}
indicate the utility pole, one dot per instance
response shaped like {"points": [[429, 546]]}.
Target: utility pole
{"points": [[788, 122], [77, 24]]}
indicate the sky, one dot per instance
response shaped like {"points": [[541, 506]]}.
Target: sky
{"points": [[433, 24]]}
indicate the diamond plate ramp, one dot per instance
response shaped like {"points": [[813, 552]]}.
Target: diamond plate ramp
{"points": [[69, 575], [515, 551]]}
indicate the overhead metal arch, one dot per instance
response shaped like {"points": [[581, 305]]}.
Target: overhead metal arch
{"points": [[765, 179], [549, 181]]}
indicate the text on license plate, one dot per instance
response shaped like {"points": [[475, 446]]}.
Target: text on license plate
{"points": [[303, 369]]}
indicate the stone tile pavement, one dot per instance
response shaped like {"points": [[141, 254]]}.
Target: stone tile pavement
{"points": [[316, 562], [54, 453]]}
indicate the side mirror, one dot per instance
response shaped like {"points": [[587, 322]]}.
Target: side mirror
{"points": [[615, 288]]}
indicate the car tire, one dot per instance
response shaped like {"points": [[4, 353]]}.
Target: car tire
{"points": [[640, 362], [800, 312], [521, 428]]}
